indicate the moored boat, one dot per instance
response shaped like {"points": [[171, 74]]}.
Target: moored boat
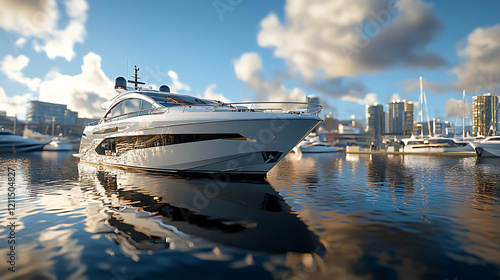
{"points": [[58, 144], [11, 143], [158, 130], [315, 145], [435, 145], [489, 147]]}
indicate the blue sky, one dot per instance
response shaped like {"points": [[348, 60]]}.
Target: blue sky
{"points": [[349, 52]]}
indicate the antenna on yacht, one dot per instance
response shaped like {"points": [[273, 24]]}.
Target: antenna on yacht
{"points": [[136, 78]]}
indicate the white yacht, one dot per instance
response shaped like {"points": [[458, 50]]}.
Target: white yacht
{"points": [[158, 130], [11, 143], [57, 144], [489, 147], [435, 145], [315, 145]]}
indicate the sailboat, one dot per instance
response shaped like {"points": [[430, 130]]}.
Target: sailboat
{"points": [[432, 144], [57, 144]]}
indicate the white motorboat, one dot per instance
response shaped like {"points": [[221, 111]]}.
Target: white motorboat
{"points": [[11, 143], [58, 144], [158, 130], [315, 145], [489, 147], [435, 145]]}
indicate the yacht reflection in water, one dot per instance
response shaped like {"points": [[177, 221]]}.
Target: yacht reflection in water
{"points": [[149, 211]]}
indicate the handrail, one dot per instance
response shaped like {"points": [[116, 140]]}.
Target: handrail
{"points": [[271, 102], [312, 109], [293, 107]]}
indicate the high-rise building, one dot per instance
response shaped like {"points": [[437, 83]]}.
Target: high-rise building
{"points": [[485, 114], [438, 128], [330, 123], [408, 117], [375, 121], [399, 117], [44, 112]]}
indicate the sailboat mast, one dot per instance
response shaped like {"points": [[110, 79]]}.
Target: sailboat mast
{"points": [[463, 120], [421, 110]]}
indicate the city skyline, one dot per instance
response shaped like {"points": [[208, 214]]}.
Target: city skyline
{"points": [[349, 53]]}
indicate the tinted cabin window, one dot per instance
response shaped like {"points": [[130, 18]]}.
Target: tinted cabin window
{"points": [[169, 100], [146, 105], [116, 111], [131, 106]]}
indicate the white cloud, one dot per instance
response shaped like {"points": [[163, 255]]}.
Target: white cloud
{"points": [[333, 39], [15, 105], [20, 42], [62, 41], [29, 18], [211, 95], [84, 92], [368, 99], [396, 97], [455, 108], [413, 85], [12, 68], [177, 85], [480, 70], [38, 20], [248, 68]]}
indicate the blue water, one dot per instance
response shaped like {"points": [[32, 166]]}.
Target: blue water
{"points": [[324, 216]]}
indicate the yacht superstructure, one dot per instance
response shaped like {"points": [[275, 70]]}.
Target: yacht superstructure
{"points": [[434, 145], [159, 130]]}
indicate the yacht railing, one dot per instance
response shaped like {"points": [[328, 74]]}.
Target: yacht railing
{"points": [[276, 107], [263, 107]]}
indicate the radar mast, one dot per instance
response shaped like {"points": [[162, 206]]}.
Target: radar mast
{"points": [[135, 81]]}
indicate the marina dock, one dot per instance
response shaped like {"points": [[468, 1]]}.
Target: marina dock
{"points": [[357, 150]]}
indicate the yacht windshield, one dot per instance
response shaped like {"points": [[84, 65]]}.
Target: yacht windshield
{"points": [[493, 139], [169, 100]]}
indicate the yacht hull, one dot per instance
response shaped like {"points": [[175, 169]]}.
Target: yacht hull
{"points": [[10, 143], [249, 145], [318, 149], [429, 150], [487, 150], [21, 148]]}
